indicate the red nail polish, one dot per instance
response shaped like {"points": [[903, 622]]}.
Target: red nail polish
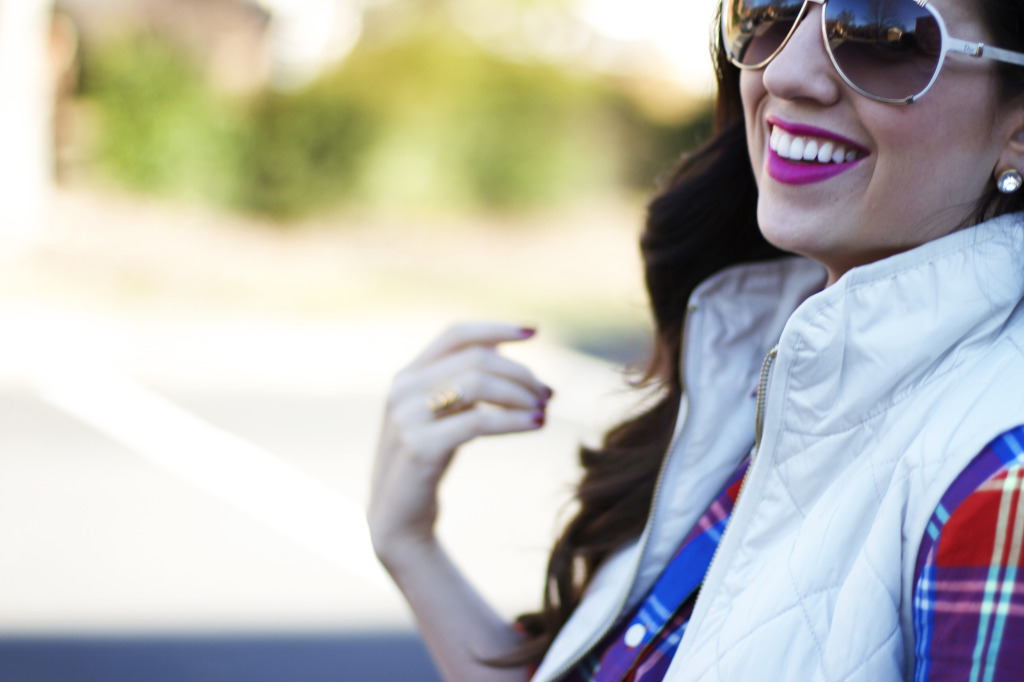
{"points": [[527, 332], [548, 393], [538, 418]]}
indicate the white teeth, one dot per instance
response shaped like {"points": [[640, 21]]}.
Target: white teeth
{"points": [[825, 153], [796, 149], [783, 147], [806, 148]]}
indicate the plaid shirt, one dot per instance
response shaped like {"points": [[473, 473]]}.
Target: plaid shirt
{"points": [[968, 599]]}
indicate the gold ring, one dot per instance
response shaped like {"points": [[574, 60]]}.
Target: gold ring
{"points": [[444, 399]]}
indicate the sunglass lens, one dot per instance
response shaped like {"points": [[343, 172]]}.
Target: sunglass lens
{"points": [[754, 29], [887, 48]]}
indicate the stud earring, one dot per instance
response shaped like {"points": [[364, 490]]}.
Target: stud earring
{"points": [[1009, 181]]}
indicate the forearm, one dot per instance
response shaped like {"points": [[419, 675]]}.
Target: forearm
{"points": [[419, 438], [460, 629]]}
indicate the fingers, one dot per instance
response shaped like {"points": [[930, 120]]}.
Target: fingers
{"points": [[459, 388], [472, 388], [468, 365], [459, 373], [460, 336], [478, 373], [502, 391], [435, 441]]}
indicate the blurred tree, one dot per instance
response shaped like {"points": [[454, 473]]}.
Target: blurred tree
{"points": [[423, 115], [163, 129], [302, 151]]}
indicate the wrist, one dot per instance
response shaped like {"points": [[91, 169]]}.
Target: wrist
{"points": [[404, 556]]}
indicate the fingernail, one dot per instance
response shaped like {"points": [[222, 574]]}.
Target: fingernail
{"points": [[548, 392], [527, 332], [538, 418]]}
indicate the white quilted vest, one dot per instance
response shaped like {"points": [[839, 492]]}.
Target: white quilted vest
{"points": [[885, 385]]}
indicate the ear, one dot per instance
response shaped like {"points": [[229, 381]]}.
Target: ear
{"points": [[1012, 155]]}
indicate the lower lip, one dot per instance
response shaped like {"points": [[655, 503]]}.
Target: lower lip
{"points": [[793, 173]]}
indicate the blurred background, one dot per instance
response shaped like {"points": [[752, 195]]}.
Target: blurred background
{"points": [[224, 225]]}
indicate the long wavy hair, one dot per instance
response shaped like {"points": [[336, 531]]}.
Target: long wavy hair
{"points": [[1004, 20], [702, 221]]}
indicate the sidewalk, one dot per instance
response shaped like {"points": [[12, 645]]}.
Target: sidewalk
{"points": [[202, 473]]}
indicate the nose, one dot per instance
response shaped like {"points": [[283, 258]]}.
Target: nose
{"points": [[803, 70]]}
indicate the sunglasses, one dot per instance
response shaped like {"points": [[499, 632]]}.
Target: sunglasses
{"points": [[888, 50]]}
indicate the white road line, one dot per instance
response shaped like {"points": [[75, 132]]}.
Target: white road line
{"points": [[232, 469]]}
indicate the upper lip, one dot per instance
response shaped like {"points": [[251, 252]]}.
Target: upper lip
{"points": [[811, 131]]}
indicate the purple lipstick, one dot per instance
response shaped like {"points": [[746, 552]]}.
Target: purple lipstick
{"points": [[801, 155]]}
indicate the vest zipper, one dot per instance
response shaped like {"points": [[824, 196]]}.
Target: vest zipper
{"points": [[574, 661], [762, 390]]}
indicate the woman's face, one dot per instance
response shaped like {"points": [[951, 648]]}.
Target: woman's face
{"points": [[920, 168]]}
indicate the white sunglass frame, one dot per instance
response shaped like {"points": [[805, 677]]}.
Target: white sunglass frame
{"points": [[948, 44]]}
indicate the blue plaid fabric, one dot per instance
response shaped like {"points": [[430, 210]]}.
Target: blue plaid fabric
{"points": [[641, 646]]}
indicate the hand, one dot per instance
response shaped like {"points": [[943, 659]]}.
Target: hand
{"points": [[459, 388]]}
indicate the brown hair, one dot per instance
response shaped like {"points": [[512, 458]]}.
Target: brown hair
{"points": [[702, 221], [1004, 20]]}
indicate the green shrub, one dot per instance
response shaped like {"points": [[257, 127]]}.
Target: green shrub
{"points": [[460, 127], [427, 121], [162, 129], [302, 152]]}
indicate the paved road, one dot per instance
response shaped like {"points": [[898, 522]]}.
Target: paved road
{"points": [[362, 657], [201, 486]]}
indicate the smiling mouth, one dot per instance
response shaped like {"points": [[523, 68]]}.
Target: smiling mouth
{"points": [[810, 149], [804, 155]]}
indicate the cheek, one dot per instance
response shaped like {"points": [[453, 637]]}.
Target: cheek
{"points": [[752, 95], [953, 128], [935, 162], [895, 132]]}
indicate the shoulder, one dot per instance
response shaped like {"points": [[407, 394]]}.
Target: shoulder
{"points": [[987, 485], [969, 589]]}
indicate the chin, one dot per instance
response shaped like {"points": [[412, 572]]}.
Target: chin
{"points": [[790, 235]]}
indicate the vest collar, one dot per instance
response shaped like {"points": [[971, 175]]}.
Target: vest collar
{"points": [[885, 329]]}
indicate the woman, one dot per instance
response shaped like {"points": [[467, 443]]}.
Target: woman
{"points": [[865, 396]]}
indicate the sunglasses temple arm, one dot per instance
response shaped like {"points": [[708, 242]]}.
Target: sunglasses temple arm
{"points": [[1002, 55], [972, 49]]}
